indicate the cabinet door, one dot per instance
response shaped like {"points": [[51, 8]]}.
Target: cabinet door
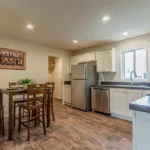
{"points": [[81, 58], [87, 57], [90, 56], [131, 96], [145, 93], [118, 103], [102, 61], [73, 61], [67, 94]]}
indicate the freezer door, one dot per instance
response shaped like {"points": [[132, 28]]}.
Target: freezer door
{"points": [[78, 91], [78, 71]]}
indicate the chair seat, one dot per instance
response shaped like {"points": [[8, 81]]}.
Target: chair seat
{"points": [[32, 106], [19, 100]]}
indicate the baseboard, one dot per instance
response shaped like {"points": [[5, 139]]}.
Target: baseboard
{"points": [[121, 117], [56, 97]]}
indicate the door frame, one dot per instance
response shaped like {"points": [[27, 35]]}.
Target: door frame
{"points": [[62, 77]]}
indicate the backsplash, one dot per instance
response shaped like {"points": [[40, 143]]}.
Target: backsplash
{"points": [[125, 83]]}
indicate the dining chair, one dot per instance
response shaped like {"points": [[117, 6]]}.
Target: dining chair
{"points": [[2, 129], [50, 86], [16, 101], [35, 101]]}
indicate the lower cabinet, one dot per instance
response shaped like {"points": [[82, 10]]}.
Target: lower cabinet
{"points": [[120, 99], [117, 101], [146, 92], [132, 95], [67, 94]]}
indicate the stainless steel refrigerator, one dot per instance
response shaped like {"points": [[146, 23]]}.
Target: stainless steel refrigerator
{"points": [[83, 76]]}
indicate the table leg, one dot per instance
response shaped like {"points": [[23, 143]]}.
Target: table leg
{"points": [[10, 128], [48, 110]]}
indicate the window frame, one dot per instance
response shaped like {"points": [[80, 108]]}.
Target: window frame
{"points": [[134, 64]]}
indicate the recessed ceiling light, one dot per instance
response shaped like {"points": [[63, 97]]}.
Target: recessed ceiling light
{"points": [[125, 33], [105, 18], [30, 26], [75, 41]]}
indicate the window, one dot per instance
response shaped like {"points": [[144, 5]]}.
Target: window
{"points": [[134, 60]]}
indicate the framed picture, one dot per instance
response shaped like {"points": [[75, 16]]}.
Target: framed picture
{"points": [[12, 59]]}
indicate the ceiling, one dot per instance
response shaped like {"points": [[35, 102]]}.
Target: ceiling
{"points": [[58, 22]]}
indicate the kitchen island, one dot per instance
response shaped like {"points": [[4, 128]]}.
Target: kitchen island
{"points": [[141, 123]]}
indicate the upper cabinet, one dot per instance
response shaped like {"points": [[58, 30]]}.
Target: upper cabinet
{"points": [[86, 57], [73, 61], [106, 61]]}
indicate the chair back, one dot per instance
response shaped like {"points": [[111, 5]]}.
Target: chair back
{"points": [[36, 93], [15, 84], [50, 86]]}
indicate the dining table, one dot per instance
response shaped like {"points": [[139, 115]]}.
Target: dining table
{"points": [[11, 92]]}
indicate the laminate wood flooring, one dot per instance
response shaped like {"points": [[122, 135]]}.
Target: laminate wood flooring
{"points": [[74, 130]]}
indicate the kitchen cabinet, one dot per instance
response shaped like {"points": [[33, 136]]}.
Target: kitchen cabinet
{"points": [[87, 57], [146, 92], [106, 61], [73, 61], [118, 102], [120, 99], [67, 94], [131, 96]]}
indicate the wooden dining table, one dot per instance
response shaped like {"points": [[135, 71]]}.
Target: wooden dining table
{"points": [[19, 91]]}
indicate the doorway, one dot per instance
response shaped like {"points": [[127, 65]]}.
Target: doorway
{"points": [[55, 75]]}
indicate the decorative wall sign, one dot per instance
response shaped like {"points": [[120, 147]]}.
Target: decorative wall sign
{"points": [[12, 59]]}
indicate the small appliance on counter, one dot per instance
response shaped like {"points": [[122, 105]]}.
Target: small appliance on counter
{"points": [[83, 76]]}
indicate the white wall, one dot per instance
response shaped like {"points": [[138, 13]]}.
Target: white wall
{"points": [[137, 42], [56, 76], [37, 62]]}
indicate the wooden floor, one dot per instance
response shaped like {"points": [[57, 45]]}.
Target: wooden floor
{"points": [[75, 130]]}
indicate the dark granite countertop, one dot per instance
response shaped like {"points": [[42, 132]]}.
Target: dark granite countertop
{"points": [[142, 87], [142, 104]]}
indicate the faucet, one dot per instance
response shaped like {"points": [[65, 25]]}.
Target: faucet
{"points": [[131, 76]]}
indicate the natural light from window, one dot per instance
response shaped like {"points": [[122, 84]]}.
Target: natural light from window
{"points": [[134, 60]]}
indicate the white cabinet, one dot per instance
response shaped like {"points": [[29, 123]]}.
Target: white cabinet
{"points": [[87, 57], [131, 96], [146, 92], [73, 61], [67, 94], [106, 61], [120, 99]]}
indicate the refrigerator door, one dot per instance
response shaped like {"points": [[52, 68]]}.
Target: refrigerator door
{"points": [[78, 71], [79, 94]]}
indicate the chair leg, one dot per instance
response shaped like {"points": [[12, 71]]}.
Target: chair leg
{"points": [[38, 117], [3, 128], [23, 113], [44, 127], [14, 117], [52, 110], [28, 125], [19, 122], [35, 121]]}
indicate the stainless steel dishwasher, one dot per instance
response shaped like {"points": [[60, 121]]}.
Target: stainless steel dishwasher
{"points": [[101, 100]]}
